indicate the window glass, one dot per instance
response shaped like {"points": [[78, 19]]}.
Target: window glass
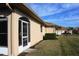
{"points": [[24, 29], [3, 26], [24, 41]]}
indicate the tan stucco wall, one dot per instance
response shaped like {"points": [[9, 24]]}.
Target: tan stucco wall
{"points": [[15, 18], [50, 30], [35, 32], [43, 30]]}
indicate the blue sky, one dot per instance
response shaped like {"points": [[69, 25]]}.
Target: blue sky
{"points": [[63, 14]]}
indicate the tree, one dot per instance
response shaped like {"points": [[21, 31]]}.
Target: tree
{"points": [[70, 28]]}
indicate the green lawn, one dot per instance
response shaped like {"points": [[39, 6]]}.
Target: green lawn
{"points": [[65, 45]]}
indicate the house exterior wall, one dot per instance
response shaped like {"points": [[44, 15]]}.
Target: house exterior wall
{"points": [[70, 31], [15, 39], [43, 30], [13, 33], [35, 32], [50, 30], [59, 32]]}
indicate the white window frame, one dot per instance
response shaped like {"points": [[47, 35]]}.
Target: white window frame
{"points": [[21, 47]]}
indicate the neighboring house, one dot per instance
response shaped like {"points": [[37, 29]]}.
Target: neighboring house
{"points": [[60, 30], [20, 28], [49, 27], [70, 31]]}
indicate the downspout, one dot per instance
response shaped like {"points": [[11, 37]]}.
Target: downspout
{"points": [[11, 35], [7, 4]]}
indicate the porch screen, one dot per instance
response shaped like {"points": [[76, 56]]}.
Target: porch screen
{"points": [[3, 32]]}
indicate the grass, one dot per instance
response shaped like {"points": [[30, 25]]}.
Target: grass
{"points": [[66, 45]]}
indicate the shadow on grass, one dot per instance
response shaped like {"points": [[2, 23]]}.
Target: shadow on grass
{"points": [[23, 54], [36, 44], [43, 40], [52, 39]]}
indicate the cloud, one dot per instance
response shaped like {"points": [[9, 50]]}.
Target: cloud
{"points": [[66, 14], [44, 9]]}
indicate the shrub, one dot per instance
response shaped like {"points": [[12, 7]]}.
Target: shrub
{"points": [[50, 36]]}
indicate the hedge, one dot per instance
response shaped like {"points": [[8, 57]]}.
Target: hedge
{"points": [[50, 36]]}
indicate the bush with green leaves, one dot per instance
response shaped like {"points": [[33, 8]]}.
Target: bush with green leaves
{"points": [[50, 36]]}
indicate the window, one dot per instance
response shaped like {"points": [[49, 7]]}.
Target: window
{"points": [[41, 27], [24, 31], [3, 32]]}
